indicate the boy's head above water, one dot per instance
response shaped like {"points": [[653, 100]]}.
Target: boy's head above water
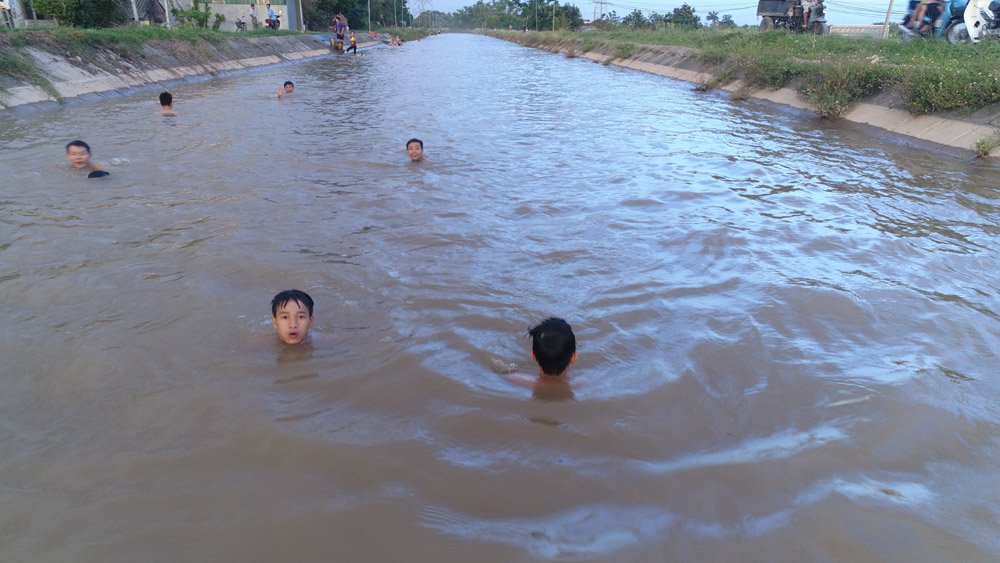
{"points": [[291, 315], [166, 99], [553, 346], [78, 154], [415, 148]]}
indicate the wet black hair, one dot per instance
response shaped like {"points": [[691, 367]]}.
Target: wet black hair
{"points": [[553, 344], [415, 141], [299, 297], [78, 143], [166, 98], [288, 83]]}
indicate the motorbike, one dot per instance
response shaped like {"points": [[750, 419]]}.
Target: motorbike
{"points": [[240, 24], [273, 23], [944, 25], [981, 20]]}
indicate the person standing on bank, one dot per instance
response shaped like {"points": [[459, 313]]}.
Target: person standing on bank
{"points": [[253, 16]]}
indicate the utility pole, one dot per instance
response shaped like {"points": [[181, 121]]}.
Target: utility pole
{"points": [[536, 15], [554, 2], [369, 18], [885, 28], [395, 23]]}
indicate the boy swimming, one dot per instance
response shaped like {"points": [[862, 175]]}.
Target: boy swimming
{"points": [[291, 315], [553, 347], [167, 105], [286, 88], [415, 149], [78, 155]]}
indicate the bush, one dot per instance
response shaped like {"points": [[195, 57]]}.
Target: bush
{"points": [[833, 88], [194, 17], [769, 73], [624, 50], [942, 89], [59, 10], [83, 13]]}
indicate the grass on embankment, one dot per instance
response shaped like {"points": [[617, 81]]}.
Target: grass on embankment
{"points": [[125, 42], [831, 72]]}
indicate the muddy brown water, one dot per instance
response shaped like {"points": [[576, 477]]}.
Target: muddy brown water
{"points": [[788, 332]]}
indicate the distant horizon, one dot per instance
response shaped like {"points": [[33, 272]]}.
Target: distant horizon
{"points": [[744, 13]]}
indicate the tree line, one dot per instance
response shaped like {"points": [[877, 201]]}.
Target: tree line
{"points": [[540, 15], [683, 16], [544, 15], [536, 15], [316, 14]]}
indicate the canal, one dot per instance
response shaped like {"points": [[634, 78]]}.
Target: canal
{"points": [[786, 329]]}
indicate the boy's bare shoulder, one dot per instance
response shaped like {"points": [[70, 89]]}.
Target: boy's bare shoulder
{"points": [[520, 379]]}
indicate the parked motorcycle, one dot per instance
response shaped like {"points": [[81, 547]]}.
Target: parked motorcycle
{"points": [[240, 24], [273, 23]]}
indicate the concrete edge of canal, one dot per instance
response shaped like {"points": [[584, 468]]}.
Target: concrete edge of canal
{"points": [[65, 76], [961, 132]]}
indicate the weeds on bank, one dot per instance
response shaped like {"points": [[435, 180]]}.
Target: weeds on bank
{"points": [[986, 145], [832, 90], [18, 67], [726, 76], [125, 40], [959, 88], [624, 50], [588, 46]]}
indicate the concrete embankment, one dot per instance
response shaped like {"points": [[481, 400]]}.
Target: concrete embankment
{"points": [[885, 112], [60, 75]]}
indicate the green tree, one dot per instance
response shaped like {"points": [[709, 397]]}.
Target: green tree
{"points": [[83, 13], [432, 19], [657, 21], [727, 22], [59, 10], [635, 20], [685, 17], [713, 18]]}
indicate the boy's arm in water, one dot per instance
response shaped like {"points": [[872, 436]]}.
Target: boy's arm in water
{"points": [[520, 379]]}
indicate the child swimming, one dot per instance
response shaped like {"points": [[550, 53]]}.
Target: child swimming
{"points": [[292, 315], [78, 155], [553, 347]]}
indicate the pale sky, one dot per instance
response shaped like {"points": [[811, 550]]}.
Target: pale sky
{"points": [[743, 11]]}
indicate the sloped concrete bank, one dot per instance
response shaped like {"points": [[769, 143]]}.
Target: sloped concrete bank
{"points": [[61, 75], [885, 112]]}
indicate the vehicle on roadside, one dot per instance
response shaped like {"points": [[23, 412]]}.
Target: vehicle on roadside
{"points": [[982, 21], [273, 23], [788, 14], [948, 24]]}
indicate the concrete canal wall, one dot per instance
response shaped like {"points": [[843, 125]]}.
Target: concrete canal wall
{"points": [[63, 75], [884, 112]]}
